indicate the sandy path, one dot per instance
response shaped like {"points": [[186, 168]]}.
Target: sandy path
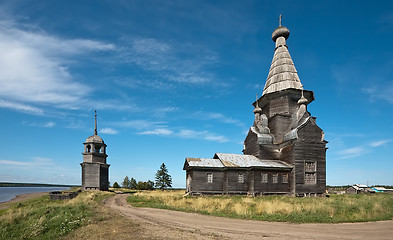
{"points": [[21, 198], [249, 229]]}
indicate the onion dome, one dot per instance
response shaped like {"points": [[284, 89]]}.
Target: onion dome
{"points": [[257, 109], [302, 100], [281, 31]]}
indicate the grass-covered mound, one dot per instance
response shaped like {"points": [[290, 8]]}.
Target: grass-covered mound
{"points": [[42, 218], [336, 209]]}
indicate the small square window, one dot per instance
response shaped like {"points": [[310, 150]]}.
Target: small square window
{"points": [[209, 177], [310, 167], [310, 178], [264, 178], [275, 178], [240, 177], [285, 178]]}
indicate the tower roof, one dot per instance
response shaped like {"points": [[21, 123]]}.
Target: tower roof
{"points": [[282, 73], [95, 138]]}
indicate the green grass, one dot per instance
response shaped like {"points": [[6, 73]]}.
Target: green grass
{"points": [[336, 209], [42, 218]]}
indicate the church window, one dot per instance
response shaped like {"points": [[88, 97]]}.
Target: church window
{"points": [[88, 148], [310, 167], [310, 178], [285, 178], [275, 178], [264, 178], [310, 175], [209, 177], [240, 177]]}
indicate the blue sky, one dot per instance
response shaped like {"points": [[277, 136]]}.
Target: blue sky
{"points": [[176, 79]]}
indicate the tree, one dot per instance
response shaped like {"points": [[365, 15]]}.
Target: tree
{"points": [[163, 179], [115, 185], [150, 185], [126, 182], [133, 183]]}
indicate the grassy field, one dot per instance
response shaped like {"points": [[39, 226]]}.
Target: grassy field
{"points": [[42, 218], [336, 209]]}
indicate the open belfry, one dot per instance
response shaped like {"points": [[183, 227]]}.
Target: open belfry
{"points": [[284, 151], [95, 170]]}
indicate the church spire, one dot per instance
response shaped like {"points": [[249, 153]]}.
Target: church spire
{"points": [[282, 73], [95, 122]]}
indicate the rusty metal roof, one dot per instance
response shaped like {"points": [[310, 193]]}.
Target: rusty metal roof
{"points": [[238, 160], [229, 160]]}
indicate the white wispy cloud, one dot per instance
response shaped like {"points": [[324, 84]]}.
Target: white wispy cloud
{"points": [[140, 124], [384, 92], [167, 109], [352, 152], [42, 124], [187, 133], [159, 131], [109, 131], [49, 124], [218, 117], [362, 149], [167, 62], [205, 135], [37, 161], [34, 67], [20, 107], [113, 105], [141, 83], [380, 143], [146, 127]]}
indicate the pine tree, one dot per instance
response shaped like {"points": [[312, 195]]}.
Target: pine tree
{"points": [[126, 182], [163, 179], [133, 183], [115, 185]]}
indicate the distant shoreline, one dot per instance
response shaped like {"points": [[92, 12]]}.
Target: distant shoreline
{"points": [[10, 184], [21, 198]]}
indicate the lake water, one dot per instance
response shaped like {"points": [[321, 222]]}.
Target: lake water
{"points": [[8, 193]]}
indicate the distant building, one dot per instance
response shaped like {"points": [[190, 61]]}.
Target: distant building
{"points": [[355, 189], [95, 170], [284, 151], [382, 189]]}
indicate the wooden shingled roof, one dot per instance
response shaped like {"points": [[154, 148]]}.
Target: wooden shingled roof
{"points": [[282, 73]]}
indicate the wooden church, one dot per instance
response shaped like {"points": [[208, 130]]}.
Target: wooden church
{"points": [[284, 151]]}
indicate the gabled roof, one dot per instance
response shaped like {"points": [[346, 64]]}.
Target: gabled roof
{"points": [[229, 160], [204, 162], [282, 73]]}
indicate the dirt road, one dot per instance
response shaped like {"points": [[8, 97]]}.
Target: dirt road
{"points": [[226, 228]]}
